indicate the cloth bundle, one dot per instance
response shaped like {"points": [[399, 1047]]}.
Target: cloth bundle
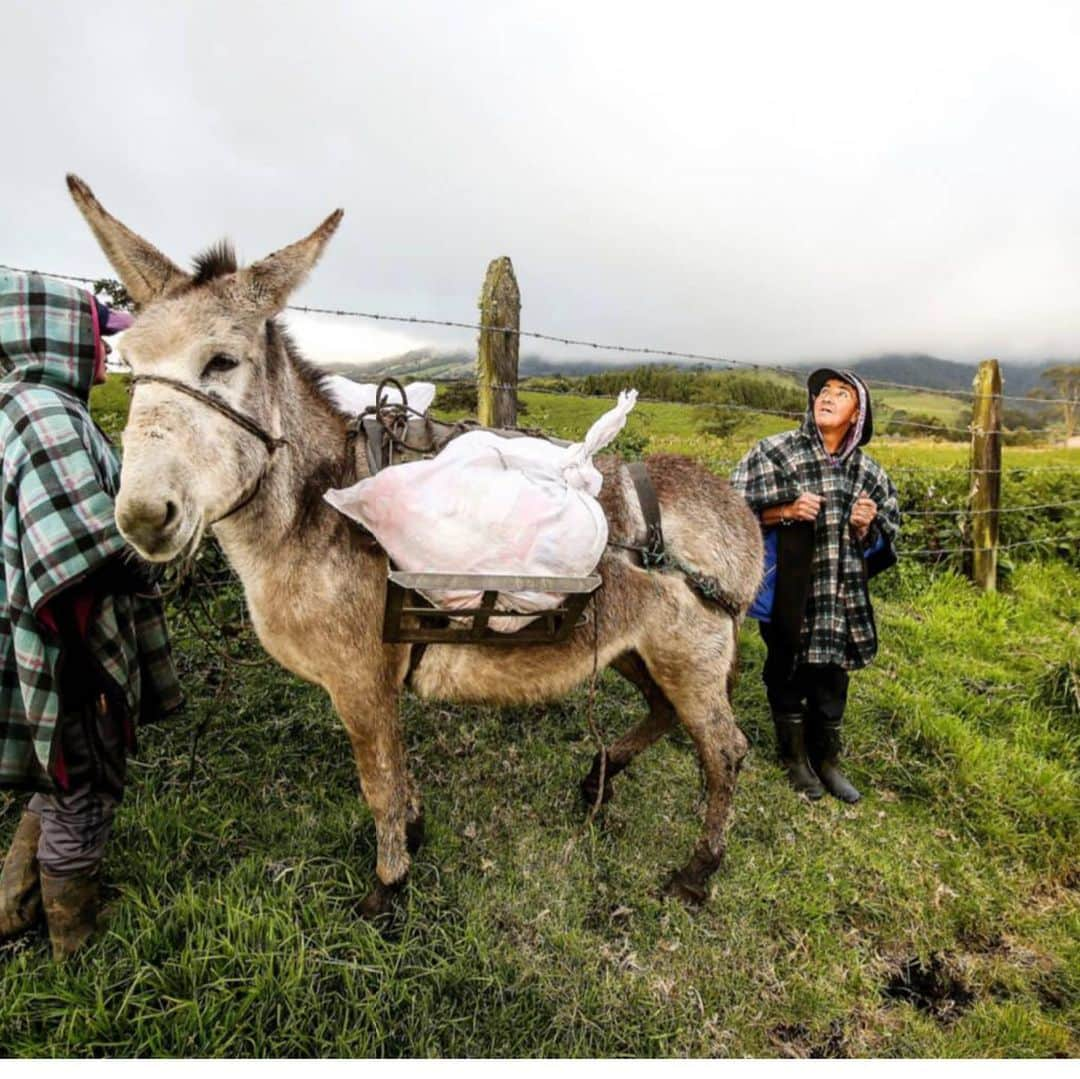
{"points": [[489, 504], [354, 397]]}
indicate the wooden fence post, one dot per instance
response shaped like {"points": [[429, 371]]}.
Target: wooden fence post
{"points": [[497, 353], [985, 498]]}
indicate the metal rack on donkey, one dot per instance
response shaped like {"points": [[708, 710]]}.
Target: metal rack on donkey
{"points": [[395, 433]]}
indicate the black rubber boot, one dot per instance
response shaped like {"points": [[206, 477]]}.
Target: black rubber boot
{"points": [[791, 749], [825, 750]]}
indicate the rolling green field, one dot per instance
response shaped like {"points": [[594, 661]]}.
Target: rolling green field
{"points": [[939, 405], [939, 917]]}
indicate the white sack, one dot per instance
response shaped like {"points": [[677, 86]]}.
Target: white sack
{"points": [[354, 397], [488, 504]]}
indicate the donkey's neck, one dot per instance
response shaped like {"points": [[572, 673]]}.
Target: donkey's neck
{"points": [[288, 521]]}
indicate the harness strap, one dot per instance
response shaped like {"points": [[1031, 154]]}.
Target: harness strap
{"points": [[653, 551], [655, 555], [246, 422], [373, 432], [243, 501], [416, 653]]}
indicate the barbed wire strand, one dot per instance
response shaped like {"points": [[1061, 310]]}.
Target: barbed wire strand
{"points": [[961, 467], [1000, 509], [598, 346], [958, 468], [1000, 547]]}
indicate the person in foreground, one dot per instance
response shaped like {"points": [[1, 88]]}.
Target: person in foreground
{"points": [[831, 518], [84, 654]]}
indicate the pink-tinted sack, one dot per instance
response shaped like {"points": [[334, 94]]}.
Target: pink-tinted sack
{"points": [[488, 504]]}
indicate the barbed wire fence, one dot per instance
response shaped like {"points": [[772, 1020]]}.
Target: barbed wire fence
{"points": [[216, 615], [980, 477]]}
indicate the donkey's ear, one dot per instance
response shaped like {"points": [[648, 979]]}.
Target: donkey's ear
{"points": [[271, 280], [144, 271]]}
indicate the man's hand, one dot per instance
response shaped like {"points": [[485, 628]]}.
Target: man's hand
{"points": [[862, 515], [805, 508]]}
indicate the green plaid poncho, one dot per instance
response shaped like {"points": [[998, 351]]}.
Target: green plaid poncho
{"points": [[60, 474], [838, 625]]}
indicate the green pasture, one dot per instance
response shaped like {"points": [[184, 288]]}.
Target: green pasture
{"points": [[939, 405], [939, 917]]}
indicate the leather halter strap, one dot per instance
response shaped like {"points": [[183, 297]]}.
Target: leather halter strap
{"points": [[246, 422], [271, 443]]}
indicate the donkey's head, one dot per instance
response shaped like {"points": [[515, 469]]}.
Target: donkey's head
{"points": [[186, 462]]}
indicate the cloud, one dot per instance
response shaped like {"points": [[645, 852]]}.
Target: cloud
{"points": [[771, 182], [326, 339]]}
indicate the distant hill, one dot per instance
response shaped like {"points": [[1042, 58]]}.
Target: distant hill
{"points": [[919, 369], [911, 369], [418, 364], [429, 364]]}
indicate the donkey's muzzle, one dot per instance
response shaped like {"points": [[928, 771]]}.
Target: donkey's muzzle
{"points": [[150, 525]]}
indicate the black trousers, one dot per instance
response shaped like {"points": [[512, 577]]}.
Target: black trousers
{"points": [[820, 688], [76, 822]]}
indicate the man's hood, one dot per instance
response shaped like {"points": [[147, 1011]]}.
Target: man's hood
{"points": [[49, 333], [863, 429]]}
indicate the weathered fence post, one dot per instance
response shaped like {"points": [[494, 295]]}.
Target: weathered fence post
{"points": [[985, 497], [497, 354]]}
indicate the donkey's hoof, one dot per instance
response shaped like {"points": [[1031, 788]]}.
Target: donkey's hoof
{"points": [[414, 835], [382, 901], [687, 888], [590, 787]]}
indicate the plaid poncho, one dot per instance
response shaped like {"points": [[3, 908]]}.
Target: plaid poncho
{"points": [[59, 478], [838, 625]]}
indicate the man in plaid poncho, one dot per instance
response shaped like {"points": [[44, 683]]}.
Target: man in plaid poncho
{"points": [[83, 650], [831, 518]]}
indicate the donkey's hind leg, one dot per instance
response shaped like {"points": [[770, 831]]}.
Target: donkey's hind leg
{"points": [[657, 723], [695, 678]]}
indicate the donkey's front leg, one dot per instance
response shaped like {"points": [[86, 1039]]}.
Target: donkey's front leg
{"points": [[374, 728]]}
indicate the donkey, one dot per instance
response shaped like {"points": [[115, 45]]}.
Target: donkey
{"points": [[230, 430]]}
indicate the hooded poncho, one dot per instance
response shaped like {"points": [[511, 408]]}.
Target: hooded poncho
{"points": [[60, 475], [824, 562]]}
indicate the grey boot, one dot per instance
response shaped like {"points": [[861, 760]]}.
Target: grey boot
{"points": [[20, 888], [825, 750], [71, 910], [791, 750]]}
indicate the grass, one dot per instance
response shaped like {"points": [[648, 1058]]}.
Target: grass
{"points": [[939, 405], [940, 917], [232, 930]]}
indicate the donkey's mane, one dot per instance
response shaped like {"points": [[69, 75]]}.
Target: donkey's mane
{"points": [[218, 260], [311, 374], [337, 472]]}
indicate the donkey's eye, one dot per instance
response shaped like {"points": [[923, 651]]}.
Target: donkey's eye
{"points": [[219, 365]]}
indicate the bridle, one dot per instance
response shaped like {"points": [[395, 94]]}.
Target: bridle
{"points": [[271, 442]]}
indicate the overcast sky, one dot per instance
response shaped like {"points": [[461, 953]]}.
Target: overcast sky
{"points": [[769, 182]]}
